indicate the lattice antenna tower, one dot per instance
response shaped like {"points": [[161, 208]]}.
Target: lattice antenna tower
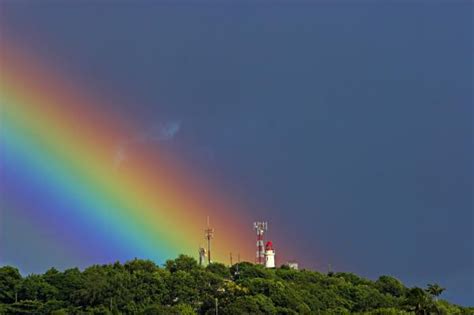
{"points": [[260, 228]]}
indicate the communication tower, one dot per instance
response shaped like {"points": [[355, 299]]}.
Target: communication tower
{"points": [[209, 233], [260, 228]]}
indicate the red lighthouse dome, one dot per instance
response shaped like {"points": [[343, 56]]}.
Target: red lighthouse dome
{"points": [[269, 245]]}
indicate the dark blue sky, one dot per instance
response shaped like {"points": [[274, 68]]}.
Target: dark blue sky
{"points": [[347, 125]]}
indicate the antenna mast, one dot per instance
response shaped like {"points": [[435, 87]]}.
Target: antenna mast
{"points": [[209, 233], [260, 228]]}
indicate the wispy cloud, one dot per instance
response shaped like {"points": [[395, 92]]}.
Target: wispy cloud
{"points": [[120, 156], [158, 132]]}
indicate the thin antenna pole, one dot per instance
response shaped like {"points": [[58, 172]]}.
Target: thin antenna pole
{"points": [[330, 272], [209, 232]]}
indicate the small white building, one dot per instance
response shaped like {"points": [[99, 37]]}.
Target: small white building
{"points": [[292, 265], [202, 256]]}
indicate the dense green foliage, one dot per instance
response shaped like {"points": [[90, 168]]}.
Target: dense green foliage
{"points": [[183, 287]]}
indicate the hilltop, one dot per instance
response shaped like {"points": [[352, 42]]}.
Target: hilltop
{"points": [[181, 286]]}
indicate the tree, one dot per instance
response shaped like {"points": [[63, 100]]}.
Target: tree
{"points": [[367, 298], [24, 308], [329, 297], [138, 265], [250, 304], [149, 287], [418, 301], [34, 287], [9, 279], [282, 294], [352, 278], [182, 263], [435, 290], [183, 309], [183, 287], [180, 309], [219, 269], [67, 283], [248, 270], [390, 285]]}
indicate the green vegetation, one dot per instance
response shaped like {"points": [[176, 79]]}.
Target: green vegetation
{"points": [[183, 287]]}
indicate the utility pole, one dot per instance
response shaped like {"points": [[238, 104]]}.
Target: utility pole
{"points": [[217, 306], [330, 272], [231, 258], [237, 265], [209, 232]]}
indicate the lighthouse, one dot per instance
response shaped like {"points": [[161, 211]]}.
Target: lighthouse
{"points": [[269, 255]]}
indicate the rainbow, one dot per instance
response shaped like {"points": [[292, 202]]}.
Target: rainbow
{"points": [[58, 178]]}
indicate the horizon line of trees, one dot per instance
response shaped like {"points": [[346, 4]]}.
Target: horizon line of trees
{"points": [[181, 286]]}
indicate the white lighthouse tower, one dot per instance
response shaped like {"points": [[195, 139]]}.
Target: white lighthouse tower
{"points": [[269, 255]]}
